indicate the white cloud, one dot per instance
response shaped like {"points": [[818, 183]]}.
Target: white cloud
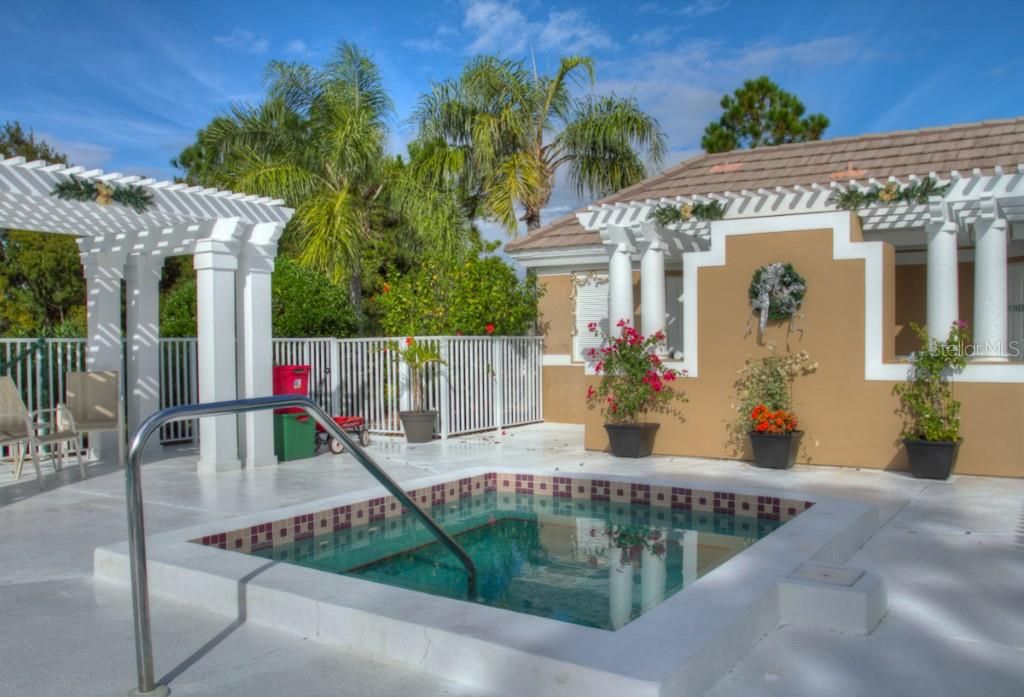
{"points": [[497, 26], [500, 27], [243, 40], [653, 38], [701, 8], [570, 32], [424, 45], [297, 47], [89, 155], [682, 85]]}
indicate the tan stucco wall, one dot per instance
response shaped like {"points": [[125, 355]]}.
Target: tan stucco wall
{"points": [[847, 420], [564, 387], [556, 314]]}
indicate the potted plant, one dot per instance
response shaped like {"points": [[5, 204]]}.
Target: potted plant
{"points": [[766, 416], [931, 430], [634, 382], [418, 423]]}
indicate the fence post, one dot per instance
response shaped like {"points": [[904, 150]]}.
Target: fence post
{"points": [[444, 387], [405, 386], [499, 388], [335, 376]]}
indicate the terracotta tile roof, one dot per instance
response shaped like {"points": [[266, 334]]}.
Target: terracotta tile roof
{"points": [[962, 147]]}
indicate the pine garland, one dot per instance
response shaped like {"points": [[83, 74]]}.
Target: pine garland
{"points": [[74, 189], [919, 192], [667, 214]]}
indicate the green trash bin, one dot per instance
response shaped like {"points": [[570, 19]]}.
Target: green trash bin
{"points": [[294, 436]]}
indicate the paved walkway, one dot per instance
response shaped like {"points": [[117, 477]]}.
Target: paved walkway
{"points": [[952, 554]]}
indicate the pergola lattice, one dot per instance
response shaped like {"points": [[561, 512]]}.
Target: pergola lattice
{"points": [[232, 238]]}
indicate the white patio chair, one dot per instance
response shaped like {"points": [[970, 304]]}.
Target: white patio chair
{"points": [[16, 427], [93, 401], [59, 429]]}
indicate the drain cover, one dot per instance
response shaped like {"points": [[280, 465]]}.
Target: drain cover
{"points": [[831, 575]]}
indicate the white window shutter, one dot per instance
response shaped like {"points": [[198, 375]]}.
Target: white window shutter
{"points": [[591, 306], [674, 312]]}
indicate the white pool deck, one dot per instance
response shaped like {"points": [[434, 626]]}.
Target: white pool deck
{"points": [[951, 553]]}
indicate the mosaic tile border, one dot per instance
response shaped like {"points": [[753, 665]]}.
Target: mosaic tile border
{"points": [[288, 530]]}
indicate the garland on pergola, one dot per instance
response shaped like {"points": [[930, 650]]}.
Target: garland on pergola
{"points": [[851, 199], [75, 189], [667, 214]]}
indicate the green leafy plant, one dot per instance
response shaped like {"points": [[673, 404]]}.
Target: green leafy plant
{"points": [[634, 381], [418, 355], [765, 385], [74, 189], [668, 214], [473, 295], [634, 539], [929, 410]]}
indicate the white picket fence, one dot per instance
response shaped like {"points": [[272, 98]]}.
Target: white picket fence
{"points": [[484, 383]]}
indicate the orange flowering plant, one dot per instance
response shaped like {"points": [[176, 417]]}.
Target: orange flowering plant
{"points": [[779, 421], [634, 381]]}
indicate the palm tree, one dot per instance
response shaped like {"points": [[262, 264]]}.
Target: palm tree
{"points": [[319, 141], [498, 134]]}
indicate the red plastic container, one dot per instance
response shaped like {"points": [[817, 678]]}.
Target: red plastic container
{"points": [[291, 379]]}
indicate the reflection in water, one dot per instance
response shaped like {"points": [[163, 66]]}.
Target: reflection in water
{"points": [[598, 564]]}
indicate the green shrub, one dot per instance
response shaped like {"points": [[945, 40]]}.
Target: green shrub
{"points": [[475, 296]]}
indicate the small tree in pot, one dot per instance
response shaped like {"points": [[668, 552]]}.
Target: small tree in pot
{"points": [[417, 423], [931, 430], [765, 388], [634, 382]]}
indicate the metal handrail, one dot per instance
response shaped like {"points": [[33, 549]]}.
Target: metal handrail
{"points": [[136, 522]]}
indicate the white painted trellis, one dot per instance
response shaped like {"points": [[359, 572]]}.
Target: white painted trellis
{"points": [[485, 382]]}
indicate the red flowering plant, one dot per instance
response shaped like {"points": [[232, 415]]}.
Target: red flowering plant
{"points": [[634, 381], [418, 355]]}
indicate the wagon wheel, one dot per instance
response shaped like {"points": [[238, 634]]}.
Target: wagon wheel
{"points": [[364, 438], [337, 447]]}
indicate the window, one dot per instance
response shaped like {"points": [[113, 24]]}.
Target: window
{"points": [[590, 304], [674, 314]]}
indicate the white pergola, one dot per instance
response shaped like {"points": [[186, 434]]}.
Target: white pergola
{"points": [[980, 210], [232, 238]]}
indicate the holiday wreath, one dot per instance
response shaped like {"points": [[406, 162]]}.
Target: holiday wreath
{"points": [[776, 292]]}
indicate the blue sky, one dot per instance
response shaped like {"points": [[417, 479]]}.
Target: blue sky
{"points": [[125, 85]]}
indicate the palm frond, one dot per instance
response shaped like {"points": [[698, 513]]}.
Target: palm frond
{"points": [[519, 178]]}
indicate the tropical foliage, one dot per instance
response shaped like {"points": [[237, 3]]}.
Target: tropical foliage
{"points": [[319, 141], [634, 381], [927, 404], [498, 133], [761, 113], [480, 294], [418, 355], [305, 304]]}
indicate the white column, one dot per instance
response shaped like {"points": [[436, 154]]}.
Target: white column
{"points": [[255, 350], [991, 314], [620, 286], [103, 275], [943, 289], [620, 588], [653, 574], [215, 262], [688, 543], [652, 290], [142, 372]]}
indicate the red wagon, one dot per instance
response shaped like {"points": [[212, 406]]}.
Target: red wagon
{"points": [[356, 425]]}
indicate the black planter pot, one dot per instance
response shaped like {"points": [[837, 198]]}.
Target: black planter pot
{"points": [[631, 440], [931, 459], [775, 451], [418, 425]]}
